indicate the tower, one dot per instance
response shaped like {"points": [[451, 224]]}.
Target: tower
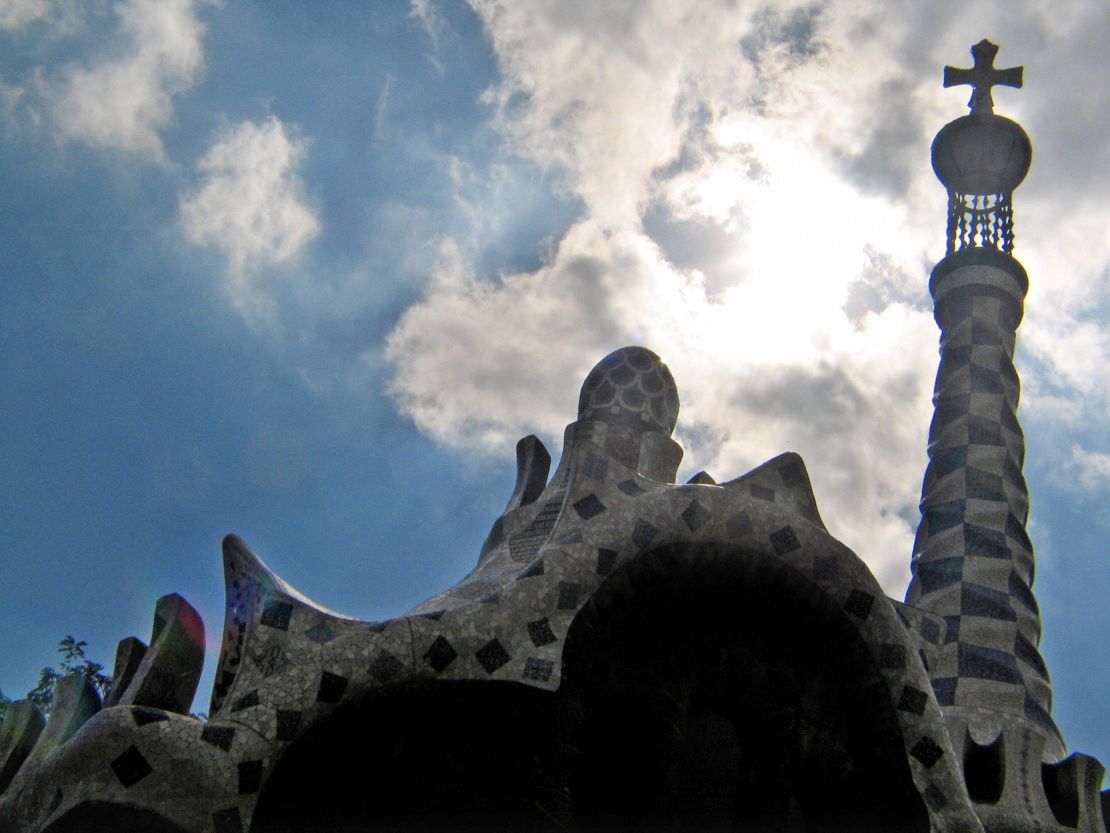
{"points": [[973, 561]]}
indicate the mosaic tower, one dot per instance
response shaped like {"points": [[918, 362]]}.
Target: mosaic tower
{"points": [[973, 562]]}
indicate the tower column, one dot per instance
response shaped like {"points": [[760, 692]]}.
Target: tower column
{"points": [[973, 561]]}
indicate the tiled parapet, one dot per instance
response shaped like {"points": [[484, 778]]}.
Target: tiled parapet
{"points": [[611, 512]]}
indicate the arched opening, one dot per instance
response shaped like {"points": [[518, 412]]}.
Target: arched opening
{"points": [[717, 691], [448, 756], [704, 690]]}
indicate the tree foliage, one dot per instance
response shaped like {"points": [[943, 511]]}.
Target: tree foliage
{"points": [[73, 661]]}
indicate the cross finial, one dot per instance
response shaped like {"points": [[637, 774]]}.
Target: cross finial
{"points": [[982, 76]]}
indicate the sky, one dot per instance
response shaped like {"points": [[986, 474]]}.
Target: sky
{"points": [[306, 272]]}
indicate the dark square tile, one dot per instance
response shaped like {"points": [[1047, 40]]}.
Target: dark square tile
{"points": [[605, 561], [630, 488], [288, 724], [930, 631], [331, 688], [220, 736], [784, 540], [762, 492], [791, 474], [538, 669], [589, 506], [250, 777], [695, 515], [569, 591], [246, 701], [321, 634], [131, 767], [492, 656], [927, 751], [440, 655], [859, 604], [643, 534], [913, 700], [385, 666], [143, 716], [540, 632], [276, 614]]}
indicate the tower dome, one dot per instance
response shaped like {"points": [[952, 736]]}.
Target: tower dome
{"points": [[982, 154], [631, 386]]}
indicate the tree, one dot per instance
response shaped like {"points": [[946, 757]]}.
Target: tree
{"points": [[73, 661]]}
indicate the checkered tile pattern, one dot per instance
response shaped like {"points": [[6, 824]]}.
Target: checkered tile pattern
{"points": [[973, 561]]}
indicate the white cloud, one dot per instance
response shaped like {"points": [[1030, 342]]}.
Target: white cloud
{"points": [[480, 363], [1092, 468], [251, 206], [124, 98], [15, 14], [792, 138]]}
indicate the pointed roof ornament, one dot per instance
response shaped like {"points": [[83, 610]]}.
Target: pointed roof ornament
{"points": [[982, 76]]}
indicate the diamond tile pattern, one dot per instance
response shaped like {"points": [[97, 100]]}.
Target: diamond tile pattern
{"points": [[276, 614], [332, 687], [588, 507], [540, 633], [220, 736], [385, 666], [131, 767], [440, 655], [492, 656]]}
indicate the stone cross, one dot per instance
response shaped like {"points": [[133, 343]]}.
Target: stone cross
{"points": [[982, 76]]}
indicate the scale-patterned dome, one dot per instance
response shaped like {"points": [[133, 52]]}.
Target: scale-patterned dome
{"points": [[633, 386]]}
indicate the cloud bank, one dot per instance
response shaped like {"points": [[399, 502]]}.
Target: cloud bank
{"points": [[758, 210]]}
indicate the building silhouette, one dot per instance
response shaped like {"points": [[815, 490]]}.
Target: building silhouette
{"points": [[629, 653]]}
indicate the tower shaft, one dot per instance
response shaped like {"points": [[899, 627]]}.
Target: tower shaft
{"points": [[973, 560]]}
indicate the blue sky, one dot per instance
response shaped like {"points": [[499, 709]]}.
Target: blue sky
{"points": [[305, 272]]}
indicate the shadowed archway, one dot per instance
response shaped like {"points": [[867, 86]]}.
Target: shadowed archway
{"points": [[712, 689], [703, 689]]}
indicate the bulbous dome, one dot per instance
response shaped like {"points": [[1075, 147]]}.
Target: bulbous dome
{"points": [[982, 154], [632, 386]]}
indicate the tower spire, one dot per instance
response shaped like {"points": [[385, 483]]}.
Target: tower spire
{"points": [[973, 561]]}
